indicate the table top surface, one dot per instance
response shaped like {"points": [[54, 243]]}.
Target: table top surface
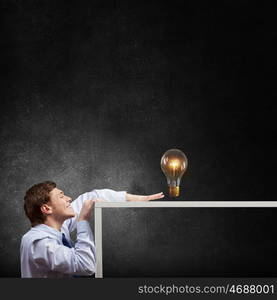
{"points": [[198, 204]]}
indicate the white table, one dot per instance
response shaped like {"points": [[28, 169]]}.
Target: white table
{"points": [[100, 205]]}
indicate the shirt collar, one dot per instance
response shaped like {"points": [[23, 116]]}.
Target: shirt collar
{"points": [[50, 230]]}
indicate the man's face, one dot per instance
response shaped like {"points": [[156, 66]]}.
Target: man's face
{"points": [[60, 205]]}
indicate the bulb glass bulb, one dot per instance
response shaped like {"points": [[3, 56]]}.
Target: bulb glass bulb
{"points": [[174, 164]]}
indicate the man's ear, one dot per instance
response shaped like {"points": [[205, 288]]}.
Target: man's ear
{"points": [[46, 209]]}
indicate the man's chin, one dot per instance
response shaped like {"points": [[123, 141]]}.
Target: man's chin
{"points": [[71, 215]]}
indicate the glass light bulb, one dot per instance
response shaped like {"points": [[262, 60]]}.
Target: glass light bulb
{"points": [[174, 164]]}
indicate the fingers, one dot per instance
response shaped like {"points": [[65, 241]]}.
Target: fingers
{"points": [[88, 203], [155, 196], [85, 212], [98, 200]]}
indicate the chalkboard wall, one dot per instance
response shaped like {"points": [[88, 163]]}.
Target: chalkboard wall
{"points": [[94, 92], [189, 242]]}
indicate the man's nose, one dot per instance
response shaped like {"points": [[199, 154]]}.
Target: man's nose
{"points": [[69, 199]]}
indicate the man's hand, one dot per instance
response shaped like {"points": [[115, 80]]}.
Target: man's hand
{"points": [[88, 205], [130, 197]]}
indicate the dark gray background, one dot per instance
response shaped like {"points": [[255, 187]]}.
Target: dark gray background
{"points": [[94, 92]]}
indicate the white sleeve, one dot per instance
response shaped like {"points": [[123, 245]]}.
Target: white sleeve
{"points": [[106, 194], [47, 253], [111, 195]]}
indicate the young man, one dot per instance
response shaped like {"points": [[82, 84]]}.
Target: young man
{"points": [[46, 249]]}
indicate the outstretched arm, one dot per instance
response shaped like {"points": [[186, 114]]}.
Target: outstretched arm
{"points": [[130, 197], [107, 195]]}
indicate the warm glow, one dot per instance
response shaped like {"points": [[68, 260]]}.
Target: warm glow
{"points": [[174, 164]]}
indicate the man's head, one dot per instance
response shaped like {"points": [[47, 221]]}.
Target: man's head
{"points": [[44, 200]]}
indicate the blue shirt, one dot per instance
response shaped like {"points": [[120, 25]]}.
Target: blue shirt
{"points": [[42, 253]]}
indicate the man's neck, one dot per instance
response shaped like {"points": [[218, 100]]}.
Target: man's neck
{"points": [[56, 224]]}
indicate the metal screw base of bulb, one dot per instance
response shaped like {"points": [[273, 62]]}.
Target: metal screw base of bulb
{"points": [[174, 191]]}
